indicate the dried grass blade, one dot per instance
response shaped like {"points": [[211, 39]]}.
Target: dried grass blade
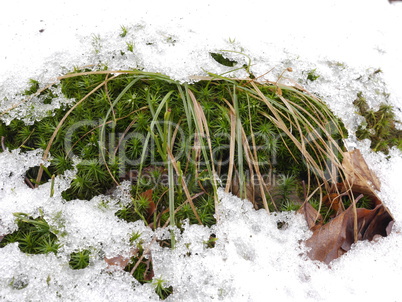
{"points": [[183, 183], [231, 151], [203, 130]]}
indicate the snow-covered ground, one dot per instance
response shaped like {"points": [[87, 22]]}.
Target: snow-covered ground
{"points": [[344, 41]]}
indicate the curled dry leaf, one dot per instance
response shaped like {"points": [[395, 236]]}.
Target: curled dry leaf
{"points": [[312, 216], [335, 238], [331, 240], [358, 175]]}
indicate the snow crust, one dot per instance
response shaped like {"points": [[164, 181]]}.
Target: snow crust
{"points": [[253, 259]]}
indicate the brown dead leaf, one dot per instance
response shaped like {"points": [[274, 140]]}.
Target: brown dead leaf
{"points": [[120, 261], [313, 218], [335, 238], [374, 222], [358, 174], [334, 201]]}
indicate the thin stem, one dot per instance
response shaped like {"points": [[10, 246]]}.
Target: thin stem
{"points": [[239, 140], [171, 183]]}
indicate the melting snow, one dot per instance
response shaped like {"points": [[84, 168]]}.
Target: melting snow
{"points": [[253, 259]]}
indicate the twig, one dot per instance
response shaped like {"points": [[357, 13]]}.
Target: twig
{"points": [[29, 183], [146, 251]]}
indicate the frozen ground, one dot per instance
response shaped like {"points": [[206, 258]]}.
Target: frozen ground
{"points": [[252, 260]]}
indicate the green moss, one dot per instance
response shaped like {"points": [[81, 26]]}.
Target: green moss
{"points": [[379, 126], [33, 236], [124, 31], [161, 289], [109, 129], [130, 46], [33, 88], [80, 259], [312, 75], [46, 95]]}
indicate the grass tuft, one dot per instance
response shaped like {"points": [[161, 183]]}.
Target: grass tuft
{"points": [[176, 144]]}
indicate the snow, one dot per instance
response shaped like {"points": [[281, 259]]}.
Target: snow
{"points": [[252, 260]]}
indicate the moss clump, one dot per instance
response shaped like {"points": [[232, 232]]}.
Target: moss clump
{"points": [[33, 236], [312, 75], [80, 259], [122, 127], [379, 126]]}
